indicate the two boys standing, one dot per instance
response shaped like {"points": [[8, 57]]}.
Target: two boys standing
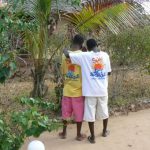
{"points": [[85, 93]]}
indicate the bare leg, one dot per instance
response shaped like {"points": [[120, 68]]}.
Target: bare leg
{"points": [[64, 132], [92, 137], [80, 136], [79, 125], [105, 132]]}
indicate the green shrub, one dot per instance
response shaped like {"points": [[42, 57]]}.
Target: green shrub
{"points": [[7, 65], [15, 127]]}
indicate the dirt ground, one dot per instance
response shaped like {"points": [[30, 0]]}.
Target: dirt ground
{"points": [[130, 132]]}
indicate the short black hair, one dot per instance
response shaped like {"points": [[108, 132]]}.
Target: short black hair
{"points": [[91, 43], [78, 40]]}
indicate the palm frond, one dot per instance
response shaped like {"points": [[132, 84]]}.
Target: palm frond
{"points": [[39, 10], [37, 39], [114, 15]]}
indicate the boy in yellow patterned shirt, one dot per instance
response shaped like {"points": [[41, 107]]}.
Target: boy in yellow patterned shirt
{"points": [[72, 101]]}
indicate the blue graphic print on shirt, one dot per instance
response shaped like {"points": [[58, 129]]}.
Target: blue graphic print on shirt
{"points": [[98, 67]]}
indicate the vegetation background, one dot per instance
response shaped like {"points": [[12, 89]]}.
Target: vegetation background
{"points": [[32, 36]]}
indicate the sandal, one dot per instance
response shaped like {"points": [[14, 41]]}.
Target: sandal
{"points": [[62, 136], [92, 141], [105, 134], [81, 138]]}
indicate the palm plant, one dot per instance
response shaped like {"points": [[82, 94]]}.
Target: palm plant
{"points": [[40, 41], [113, 15], [37, 25], [36, 40]]}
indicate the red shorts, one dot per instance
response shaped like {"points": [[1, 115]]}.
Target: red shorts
{"points": [[73, 106]]}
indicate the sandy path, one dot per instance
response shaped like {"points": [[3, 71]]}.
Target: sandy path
{"points": [[127, 133]]}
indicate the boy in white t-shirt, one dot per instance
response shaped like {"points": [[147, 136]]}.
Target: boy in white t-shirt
{"points": [[95, 66]]}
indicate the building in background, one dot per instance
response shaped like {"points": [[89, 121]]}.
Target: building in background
{"points": [[2, 3]]}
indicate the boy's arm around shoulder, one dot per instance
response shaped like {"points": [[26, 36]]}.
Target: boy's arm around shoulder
{"points": [[76, 58], [66, 53]]}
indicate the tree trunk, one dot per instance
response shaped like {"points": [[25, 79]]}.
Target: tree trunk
{"points": [[39, 88]]}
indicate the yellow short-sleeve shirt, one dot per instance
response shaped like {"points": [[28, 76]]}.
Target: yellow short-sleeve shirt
{"points": [[72, 78]]}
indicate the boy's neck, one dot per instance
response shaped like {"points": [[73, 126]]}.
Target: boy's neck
{"points": [[96, 50], [76, 49]]}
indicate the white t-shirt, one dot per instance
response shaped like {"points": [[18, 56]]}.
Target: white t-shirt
{"points": [[95, 67]]}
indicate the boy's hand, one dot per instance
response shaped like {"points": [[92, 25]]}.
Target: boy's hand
{"points": [[66, 53], [109, 73]]}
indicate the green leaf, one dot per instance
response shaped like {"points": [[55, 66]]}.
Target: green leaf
{"points": [[4, 58], [13, 66], [109, 14]]}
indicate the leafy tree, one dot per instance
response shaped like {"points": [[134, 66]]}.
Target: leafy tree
{"points": [[131, 48], [7, 56], [7, 65]]}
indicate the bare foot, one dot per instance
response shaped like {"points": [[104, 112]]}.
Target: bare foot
{"points": [[62, 135]]}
